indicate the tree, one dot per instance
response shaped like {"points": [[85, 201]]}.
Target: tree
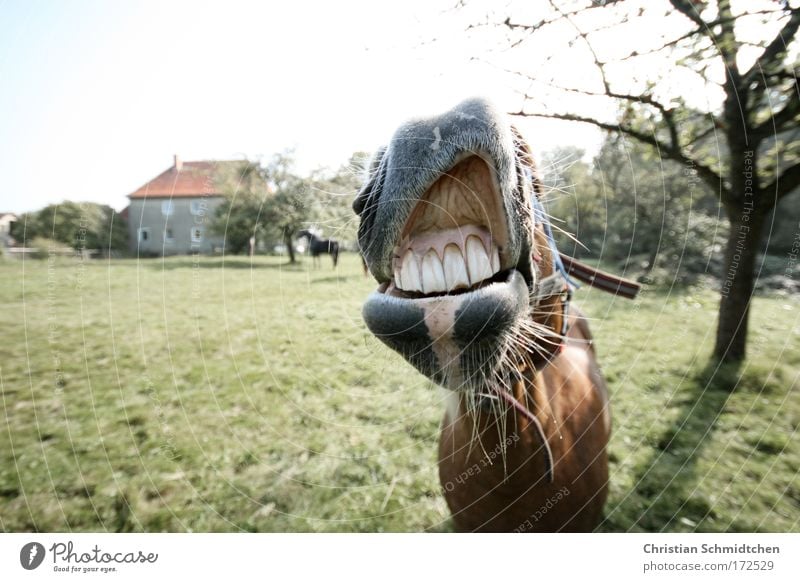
{"points": [[238, 218], [333, 198], [631, 207], [711, 85], [657, 210], [575, 201], [26, 228], [81, 225], [268, 202]]}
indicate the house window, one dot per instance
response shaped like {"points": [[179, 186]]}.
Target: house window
{"points": [[167, 208], [169, 237], [197, 234], [198, 207], [144, 235]]}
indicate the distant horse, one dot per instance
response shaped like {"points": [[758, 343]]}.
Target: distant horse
{"points": [[317, 246]]}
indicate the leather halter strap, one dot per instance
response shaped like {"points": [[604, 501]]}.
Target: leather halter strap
{"points": [[549, 287], [531, 417], [600, 279], [552, 286]]}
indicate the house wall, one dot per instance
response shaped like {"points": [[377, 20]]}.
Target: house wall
{"points": [[5, 223], [147, 213], [5, 229]]}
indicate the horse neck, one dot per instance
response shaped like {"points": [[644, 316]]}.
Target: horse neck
{"points": [[497, 425], [527, 382], [530, 384]]}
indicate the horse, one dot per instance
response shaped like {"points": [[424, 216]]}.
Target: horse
{"points": [[317, 246], [475, 295]]}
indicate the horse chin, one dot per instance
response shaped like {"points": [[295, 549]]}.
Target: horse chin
{"points": [[458, 340]]}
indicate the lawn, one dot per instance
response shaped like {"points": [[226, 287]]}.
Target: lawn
{"points": [[247, 395]]}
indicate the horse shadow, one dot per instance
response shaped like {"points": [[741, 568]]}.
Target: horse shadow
{"points": [[334, 279], [664, 497], [243, 263]]}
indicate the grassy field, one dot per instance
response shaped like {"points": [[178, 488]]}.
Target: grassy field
{"points": [[228, 395]]}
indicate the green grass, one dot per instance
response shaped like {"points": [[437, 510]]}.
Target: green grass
{"points": [[228, 395]]}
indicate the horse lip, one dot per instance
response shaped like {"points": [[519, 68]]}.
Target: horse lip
{"points": [[395, 319], [389, 288], [487, 288]]}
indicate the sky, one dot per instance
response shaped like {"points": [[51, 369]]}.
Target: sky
{"points": [[98, 96]]}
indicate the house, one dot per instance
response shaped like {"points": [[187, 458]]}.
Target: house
{"points": [[6, 219], [172, 213]]}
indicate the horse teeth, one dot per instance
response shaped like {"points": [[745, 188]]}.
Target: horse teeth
{"points": [[432, 274], [477, 260], [401, 279], [410, 273], [455, 269], [441, 262]]}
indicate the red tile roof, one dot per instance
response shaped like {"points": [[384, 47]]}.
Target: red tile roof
{"points": [[192, 179]]}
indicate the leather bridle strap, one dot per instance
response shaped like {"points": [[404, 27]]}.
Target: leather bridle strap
{"points": [[600, 279], [548, 453], [549, 286]]}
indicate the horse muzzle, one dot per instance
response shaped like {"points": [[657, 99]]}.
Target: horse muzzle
{"points": [[456, 340]]}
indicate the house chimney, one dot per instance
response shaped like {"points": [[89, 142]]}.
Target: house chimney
{"points": [[178, 163]]}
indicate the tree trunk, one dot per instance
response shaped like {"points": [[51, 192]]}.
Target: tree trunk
{"points": [[738, 282], [289, 242]]}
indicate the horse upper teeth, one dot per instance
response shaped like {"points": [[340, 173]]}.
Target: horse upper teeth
{"points": [[410, 279], [433, 280], [495, 260], [455, 269], [458, 268], [478, 263]]}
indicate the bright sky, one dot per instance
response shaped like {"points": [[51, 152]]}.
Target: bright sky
{"points": [[97, 96]]}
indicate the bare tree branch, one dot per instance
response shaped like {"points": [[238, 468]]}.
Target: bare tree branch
{"points": [[769, 80], [725, 43], [711, 177], [644, 98], [786, 182], [703, 134], [778, 121], [688, 9], [561, 15], [776, 47], [689, 34]]}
